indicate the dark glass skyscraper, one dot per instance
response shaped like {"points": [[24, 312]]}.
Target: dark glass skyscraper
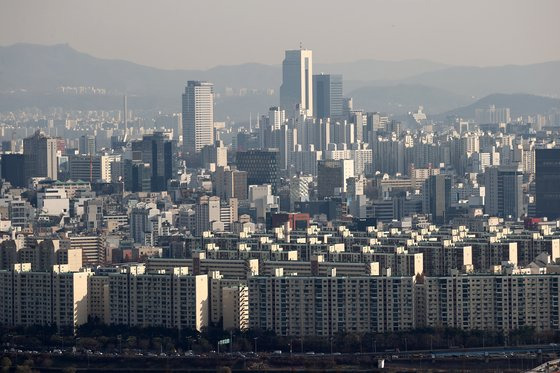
{"points": [[261, 166], [330, 175], [13, 169], [437, 197], [158, 152], [548, 183], [327, 101]]}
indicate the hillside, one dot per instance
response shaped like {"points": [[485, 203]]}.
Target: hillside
{"points": [[403, 98], [30, 74], [518, 103]]}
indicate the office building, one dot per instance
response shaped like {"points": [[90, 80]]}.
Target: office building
{"points": [[332, 175], [13, 169], [547, 180], [137, 176], [198, 116], [296, 91], [87, 145], [504, 193], [437, 198], [93, 249], [327, 100], [40, 154], [261, 166], [159, 152], [86, 168], [215, 154]]}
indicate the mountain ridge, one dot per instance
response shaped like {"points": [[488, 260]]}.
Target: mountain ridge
{"points": [[374, 84]]}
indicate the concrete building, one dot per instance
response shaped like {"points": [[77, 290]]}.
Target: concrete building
{"points": [[170, 299], [93, 249], [57, 297], [40, 154], [235, 307], [504, 193], [332, 176], [491, 302], [324, 306]]}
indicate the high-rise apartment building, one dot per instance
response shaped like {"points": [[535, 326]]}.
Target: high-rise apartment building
{"points": [[57, 297], [296, 91], [169, 299], [548, 183], [198, 116], [323, 306], [327, 100]]}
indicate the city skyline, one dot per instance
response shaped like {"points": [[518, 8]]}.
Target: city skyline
{"points": [[402, 215]]}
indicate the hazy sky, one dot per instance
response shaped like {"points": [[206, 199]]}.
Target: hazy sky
{"points": [[205, 33]]}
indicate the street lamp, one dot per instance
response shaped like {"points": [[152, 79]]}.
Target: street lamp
{"points": [[256, 351]]}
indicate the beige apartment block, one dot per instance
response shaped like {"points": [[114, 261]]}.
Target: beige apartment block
{"points": [[58, 297], [167, 298], [235, 307]]}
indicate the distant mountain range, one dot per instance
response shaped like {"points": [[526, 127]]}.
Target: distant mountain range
{"points": [[519, 104], [30, 74]]}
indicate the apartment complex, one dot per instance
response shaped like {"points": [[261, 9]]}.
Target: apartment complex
{"points": [[30, 298], [170, 299]]}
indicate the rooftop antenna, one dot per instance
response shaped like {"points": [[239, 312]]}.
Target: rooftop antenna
{"points": [[300, 45]]}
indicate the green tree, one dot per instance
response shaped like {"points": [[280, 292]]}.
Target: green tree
{"points": [[23, 369], [88, 343], [131, 342], [5, 364]]}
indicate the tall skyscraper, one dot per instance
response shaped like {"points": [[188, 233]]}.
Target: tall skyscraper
{"points": [[40, 156], [548, 183], [296, 91], [437, 197], [158, 152], [504, 193], [198, 116], [276, 117], [87, 145], [327, 92]]}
